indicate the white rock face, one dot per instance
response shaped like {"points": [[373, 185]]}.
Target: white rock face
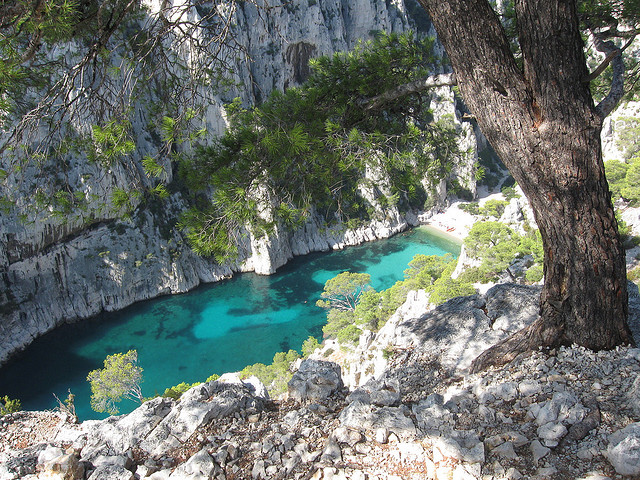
{"points": [[56, 269], [624, 450]]}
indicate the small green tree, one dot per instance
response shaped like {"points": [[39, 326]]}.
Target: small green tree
{"points": [[275, 376], [176, 391], [120, 377], [309, 346], [343, 291], [9, 406]]}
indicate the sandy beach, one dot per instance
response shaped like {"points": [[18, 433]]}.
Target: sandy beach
{"points": [[452, 221]]}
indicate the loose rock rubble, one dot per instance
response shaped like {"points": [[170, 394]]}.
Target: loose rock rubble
{"points": [[568, 413]]}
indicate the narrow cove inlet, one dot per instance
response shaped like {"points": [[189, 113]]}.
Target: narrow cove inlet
{"points": [[213, 329]]}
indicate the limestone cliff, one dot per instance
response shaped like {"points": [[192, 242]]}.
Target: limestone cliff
{"points": [[563, 413], [58, 266]]}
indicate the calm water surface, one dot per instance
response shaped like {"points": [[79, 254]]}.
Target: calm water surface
{"points": [[214, 329]]}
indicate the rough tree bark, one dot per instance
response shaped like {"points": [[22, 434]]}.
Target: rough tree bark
{"points": [[541, 119]]}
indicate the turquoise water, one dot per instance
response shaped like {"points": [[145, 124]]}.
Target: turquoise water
{"points": [[214, 329]]}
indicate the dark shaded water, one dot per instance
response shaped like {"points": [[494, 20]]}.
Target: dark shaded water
{"points": [[214, 329]]}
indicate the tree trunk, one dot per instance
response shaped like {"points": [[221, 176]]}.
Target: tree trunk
{"points": [[540, 118]]}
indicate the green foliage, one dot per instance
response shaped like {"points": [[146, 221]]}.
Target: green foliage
{"points": [[624, 179], [336, 321], [111, 142], [120, 377], [424, 270], [213, 378], [8, 405], [275, 376], [429, 272], [634, 274], [151, 166], [322, 136], [176, 391], [23, 29], [534, 273], [493, 208], [509, 192], [473, 208], [485, 235], [603, 13], [309, 346], [343, 291], [446, 288], [349, 334], [628, 136], [497, 245]]}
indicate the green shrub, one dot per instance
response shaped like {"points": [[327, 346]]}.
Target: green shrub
{"points": [[9, 406], [624, 179], [349, 334], [337, 320], [275, 376], [509, 192], [493, 208], [497, 245], [534, 274], [176, 391], [473, 208], [446, 288], [634, 274], [309, 346]]}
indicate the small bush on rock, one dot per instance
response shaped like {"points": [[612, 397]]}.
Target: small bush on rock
{"points": [[275, 376], [8, 405], [176, 391]]}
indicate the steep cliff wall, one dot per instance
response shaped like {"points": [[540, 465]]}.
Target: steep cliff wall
{"points": [[57, 266]]}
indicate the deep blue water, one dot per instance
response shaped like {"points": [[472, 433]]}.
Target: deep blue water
{"points": [[213, 329]]}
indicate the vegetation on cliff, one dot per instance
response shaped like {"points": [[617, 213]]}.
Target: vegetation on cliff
{"points": [[321, 149]]}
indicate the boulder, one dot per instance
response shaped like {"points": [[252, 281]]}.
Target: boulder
{"points": [[253, 383], [359, 415], [624, 450], [117, 435], [197, 406], [111, 472], [315, 381], [64, 467], [459, 330], [199, 467]]}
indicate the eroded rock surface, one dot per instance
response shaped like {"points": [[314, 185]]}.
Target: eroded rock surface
{"points": [[562, 414]]}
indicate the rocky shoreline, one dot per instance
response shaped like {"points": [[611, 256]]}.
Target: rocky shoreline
{"points": [[563, 414], [71, 282]]}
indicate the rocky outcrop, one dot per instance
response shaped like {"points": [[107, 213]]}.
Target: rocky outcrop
{"points": [[551, 414], [61, 268]]}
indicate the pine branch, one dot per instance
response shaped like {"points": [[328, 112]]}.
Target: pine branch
{"points": [[613, 57], [442, 80]]}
